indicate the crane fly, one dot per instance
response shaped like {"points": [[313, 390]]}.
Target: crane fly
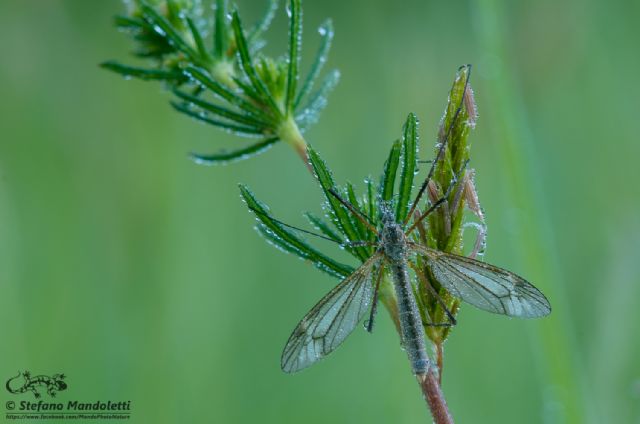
{"points": [[337, 314]]}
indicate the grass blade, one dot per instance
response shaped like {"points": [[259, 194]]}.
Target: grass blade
{"points": [[409, 154], [295, 39], [236, 155], [326, 32]]}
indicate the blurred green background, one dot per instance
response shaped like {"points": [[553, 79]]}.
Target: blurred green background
{"points": [[138, 274]]}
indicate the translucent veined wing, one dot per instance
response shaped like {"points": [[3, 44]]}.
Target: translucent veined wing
{"points": [[485, 286], [331, 320]]}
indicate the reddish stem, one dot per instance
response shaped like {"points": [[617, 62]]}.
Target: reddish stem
{"points": [[434, 397]]}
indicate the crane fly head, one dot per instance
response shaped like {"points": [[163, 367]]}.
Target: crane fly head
{"points": [[387, 216]]}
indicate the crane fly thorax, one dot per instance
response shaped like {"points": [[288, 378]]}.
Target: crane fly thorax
{"points": [[394, 244]]}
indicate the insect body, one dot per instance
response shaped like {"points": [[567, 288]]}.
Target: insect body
{"points": [[338, 313], [394, 247]]}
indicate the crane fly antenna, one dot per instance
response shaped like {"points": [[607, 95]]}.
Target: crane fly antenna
{"points": [[360, 215], [341, 244], [443, 144], [257, 212]]}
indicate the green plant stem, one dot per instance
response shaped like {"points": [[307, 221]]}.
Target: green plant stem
{"points": [[290, 134], [560, 360], [439, 347]]}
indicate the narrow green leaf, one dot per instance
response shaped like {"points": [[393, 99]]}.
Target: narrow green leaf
{"points": [[409, 155], [128, 23], [174, 11], [197, 90], [200, 116], [220, 31], [203, 78], [364, 232], [323, 227], [318, 101], [248, 90], [221, 111], [157, 52], [339, 214], [164, 28], [335, 270], [227, 157], [295, 40], [248, 68], [357, 224], [278, 242], [141, 73], [289, 241], [371, 200], [390, 170], [326, 32], [264, 23], [197, 38]]}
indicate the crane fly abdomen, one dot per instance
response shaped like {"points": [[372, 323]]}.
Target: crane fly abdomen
{"points": [[413, 336], [394, 246]]}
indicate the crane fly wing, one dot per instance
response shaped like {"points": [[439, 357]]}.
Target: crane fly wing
{"points": [[331, 320], [485, 286]]}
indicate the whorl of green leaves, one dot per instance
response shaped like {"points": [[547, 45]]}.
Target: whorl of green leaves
{"points": [[223, 79]]}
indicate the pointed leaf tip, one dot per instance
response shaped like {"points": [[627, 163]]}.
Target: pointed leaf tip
{"points": [[390, 170], [409, 157]]}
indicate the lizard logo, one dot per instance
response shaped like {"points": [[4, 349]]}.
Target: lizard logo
{"points": [[52, 384]]}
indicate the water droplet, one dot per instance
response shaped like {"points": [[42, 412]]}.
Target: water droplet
{"points": [[159, 30]]}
